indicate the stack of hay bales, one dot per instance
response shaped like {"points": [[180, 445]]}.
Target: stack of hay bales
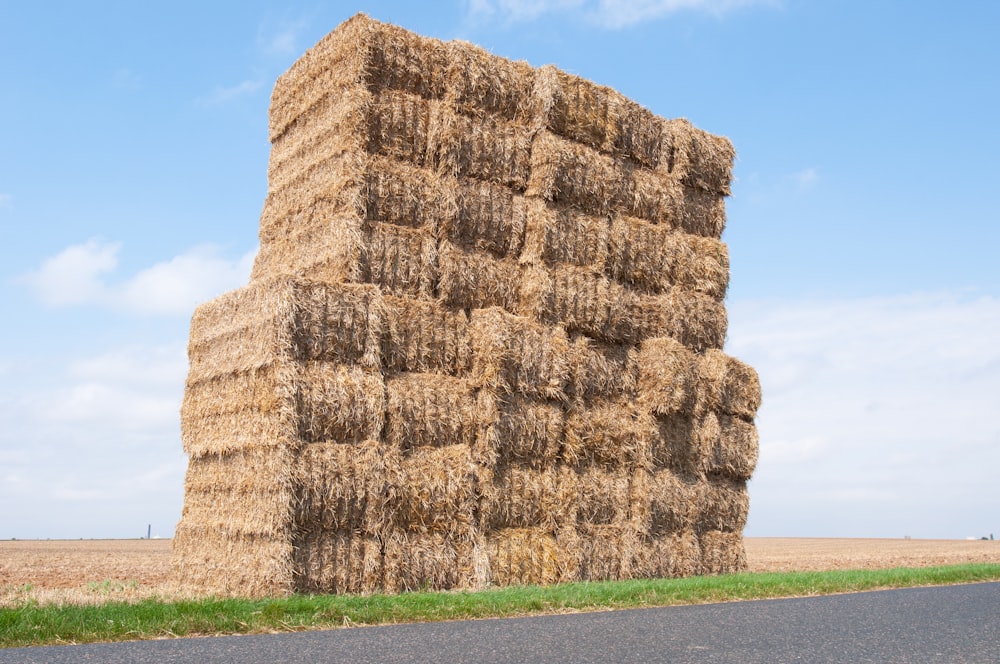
{"points": [[481, 344]]}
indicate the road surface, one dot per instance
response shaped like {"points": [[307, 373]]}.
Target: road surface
{"points": [[943, 624]]}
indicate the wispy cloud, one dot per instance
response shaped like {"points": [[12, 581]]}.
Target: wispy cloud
{"points": [[883, 401], [806, 178], [126, 79], [82, 275], [5, 200], [611, 14], [281, 38], [224, 95]]}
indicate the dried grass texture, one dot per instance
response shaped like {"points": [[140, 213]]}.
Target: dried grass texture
{"points": [[481, 343]]}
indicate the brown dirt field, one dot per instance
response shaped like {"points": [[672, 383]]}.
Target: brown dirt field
{"points": [[94, 571]]}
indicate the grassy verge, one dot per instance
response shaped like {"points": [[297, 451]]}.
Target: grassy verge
{"points": [[32, 624]]}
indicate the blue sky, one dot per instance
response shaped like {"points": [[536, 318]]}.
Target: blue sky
{"points": [[862, 232]]}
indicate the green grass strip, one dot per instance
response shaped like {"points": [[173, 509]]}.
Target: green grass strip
{"points": [[33, 624]]}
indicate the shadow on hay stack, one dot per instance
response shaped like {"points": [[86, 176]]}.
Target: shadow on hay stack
{"points": [[481, 341]]}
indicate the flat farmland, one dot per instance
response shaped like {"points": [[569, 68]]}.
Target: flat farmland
{"points": [[95, 571]]}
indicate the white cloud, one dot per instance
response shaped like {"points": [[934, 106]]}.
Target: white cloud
{"points": [[281, 39], [79, 275], [806, 177], [877, 417], [613, 14], [223, 95], [5, 200]]}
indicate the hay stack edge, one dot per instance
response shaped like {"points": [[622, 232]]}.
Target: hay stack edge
{"points": [[481, 343]]}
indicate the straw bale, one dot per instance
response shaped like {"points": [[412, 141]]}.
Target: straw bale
{"points": [[604, 119], [601, 496], [439, 490], [402, 261], [423, 336], [524, 497], [486, 148], [607, 552], [665, 502], [697, 320], [340, 403], [667, 379], [489, 218], [337, 562], [481, 83], [399, 126], [613, 434], [557, 235], [430, 561], [676, 443], [361, 52], [702, 213], [727, 385], [338, 322], [695, 157], [475, 279], [519, 556], [515, 355], [241, 410], [247, 492], [584, 300], [348, 488], [722, 553], [226, 564], [724, 505], [403, 194], [668, 556], [652, 258], [320, 243], [734, 451], [431, 409], [333, 128], [599, 370], [656, 198], [574, 175], [524, 430]]}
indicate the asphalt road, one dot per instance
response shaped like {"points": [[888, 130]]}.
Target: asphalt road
{"points": [[944, 624]]}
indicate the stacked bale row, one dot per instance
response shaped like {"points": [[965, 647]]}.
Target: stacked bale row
{"points": [[481, 342]]}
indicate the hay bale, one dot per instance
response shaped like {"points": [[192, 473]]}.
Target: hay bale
{"points": [[400, 260], [484, 147], [664, 502], [337, 562], [656, 198], [702, 213], [602, 371], [599, 496], [428, 409], [667, 376], [523, 430], [347, 488], [727, 386], [516, 356], [610, 434], [607, 552], [674, 555], [676, 443], [482, 84], [423, 336], [364, 53], [488, 218], [439, 490], [339, 403], [722, 553], [338, 323], [519, 556], [524, 497], [723, 506], [557, 235], [603, 119], [695, 157], [653, 258], [419, 561], [733, 453], [404, 194], [572, 175], [475, 280], [209, 561]]}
